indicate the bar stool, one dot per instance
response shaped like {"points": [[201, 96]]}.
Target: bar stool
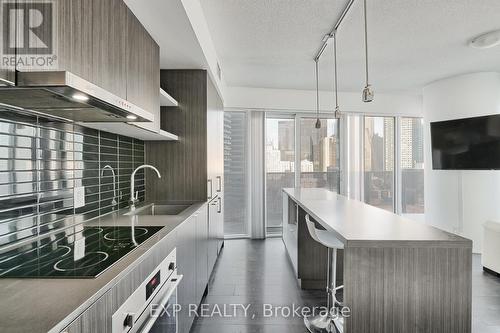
{"points": [[326, 322]]}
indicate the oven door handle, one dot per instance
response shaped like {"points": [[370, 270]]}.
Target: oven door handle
{"points": [[151, 321]]}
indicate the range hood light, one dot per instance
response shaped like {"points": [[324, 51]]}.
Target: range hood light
{"points": [[131, 117], [80, 97]]}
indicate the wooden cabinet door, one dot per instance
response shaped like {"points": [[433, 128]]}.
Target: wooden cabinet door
{"points": [[109, 66], [97, 318], [74, 37], [143, 70], [186, 265], [71, 43]]}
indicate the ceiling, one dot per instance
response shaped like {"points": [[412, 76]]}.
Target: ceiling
{"points": [[271, 43]]}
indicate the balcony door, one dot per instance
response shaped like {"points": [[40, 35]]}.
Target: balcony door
{"points": [[319, 154], [280, 168], [297, 154], [379, 154]]}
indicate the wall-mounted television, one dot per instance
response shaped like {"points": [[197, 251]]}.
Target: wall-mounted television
{"points": [[466, 144]]}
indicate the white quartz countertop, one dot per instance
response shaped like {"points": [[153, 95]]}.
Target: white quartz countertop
{"points": [[358, 224]]}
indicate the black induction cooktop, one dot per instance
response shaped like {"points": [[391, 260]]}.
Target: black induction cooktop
{"points": [[85, 254]]}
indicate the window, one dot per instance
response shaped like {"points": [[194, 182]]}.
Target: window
{"points": [[319, 154], [235, 174], [379, 156], [280, 168], [411, 138]]}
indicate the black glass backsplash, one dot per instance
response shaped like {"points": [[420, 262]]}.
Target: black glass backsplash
{"points": [[41, 161]]}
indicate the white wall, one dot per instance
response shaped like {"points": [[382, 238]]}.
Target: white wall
{"points": [[199, 24], [305, 100], [461, 201]]}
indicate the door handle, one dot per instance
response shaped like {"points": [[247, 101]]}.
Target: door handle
{"points": [[211, 189], [219, 210], [219, 185]]}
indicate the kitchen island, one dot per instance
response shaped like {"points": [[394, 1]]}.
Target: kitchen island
{"points": [[399, 275]]}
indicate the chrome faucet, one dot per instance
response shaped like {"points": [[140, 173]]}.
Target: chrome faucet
{"points": [[134, 197], [113, 202]]}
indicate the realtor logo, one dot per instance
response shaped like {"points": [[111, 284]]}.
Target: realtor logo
{"points": [[27, 27], [28, 33]]}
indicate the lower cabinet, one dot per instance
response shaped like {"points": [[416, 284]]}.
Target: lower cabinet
{"points": [[212, 250], [192, 262], [97, 318], [186, 265], [191, 240], [220, 224], [202, 271]]}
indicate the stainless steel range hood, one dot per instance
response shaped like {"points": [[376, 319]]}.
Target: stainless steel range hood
{"points": [[65, 95]]}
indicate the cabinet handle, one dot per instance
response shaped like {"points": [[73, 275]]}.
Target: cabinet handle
{"points": [[219, 185], [219, 210], [211, 190]]}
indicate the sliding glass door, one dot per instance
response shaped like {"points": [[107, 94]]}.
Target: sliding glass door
{"points": [[280, 167], [319, 154], [411, 139], [297, 154], [379, 156]]}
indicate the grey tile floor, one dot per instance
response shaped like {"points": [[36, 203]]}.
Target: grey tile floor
{"points": [[256, 272]]}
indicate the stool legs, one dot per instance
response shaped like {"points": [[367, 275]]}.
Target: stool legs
{"points": [[325, 322]]}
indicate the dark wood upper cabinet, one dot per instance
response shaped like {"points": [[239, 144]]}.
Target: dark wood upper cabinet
{"points": [[109, 24], [103, 42], [143, 70]]}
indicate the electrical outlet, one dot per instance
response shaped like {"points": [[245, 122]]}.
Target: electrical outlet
{"points": [[79, 197]]}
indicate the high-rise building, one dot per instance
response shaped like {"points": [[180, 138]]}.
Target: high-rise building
{"points": [[286, 140], [388, 144], [328, 153], [368, 135], [418, 142], [310, 137], [406, 142]]}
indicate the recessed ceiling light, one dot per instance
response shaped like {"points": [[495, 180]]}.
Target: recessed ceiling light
{"points": [[131, 117], [80, 97], [487, 40]]}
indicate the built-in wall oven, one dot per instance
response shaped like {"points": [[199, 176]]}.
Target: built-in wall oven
{"points": [[153, 306]]}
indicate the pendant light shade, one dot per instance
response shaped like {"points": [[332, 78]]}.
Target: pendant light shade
{"points": [[318, 122], [367, 91]]}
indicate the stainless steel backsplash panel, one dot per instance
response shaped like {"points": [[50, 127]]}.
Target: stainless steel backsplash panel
{"points": [[41, 162]]}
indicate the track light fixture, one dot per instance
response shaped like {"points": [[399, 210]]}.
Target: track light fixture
{"points": [[318, 122], [367, 91], [337, 113]]}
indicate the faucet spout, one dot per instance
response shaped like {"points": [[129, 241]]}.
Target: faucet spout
{"points": [[133, 195], [107, 166]]}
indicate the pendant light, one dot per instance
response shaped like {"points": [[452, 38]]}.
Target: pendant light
{"points": [[367, 91], [318, 122], [337, 113]]}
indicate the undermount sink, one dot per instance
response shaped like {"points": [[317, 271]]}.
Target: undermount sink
{"points": [[154, 209]]}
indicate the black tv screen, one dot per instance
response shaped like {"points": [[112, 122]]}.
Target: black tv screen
{"points": [[466, 144]]}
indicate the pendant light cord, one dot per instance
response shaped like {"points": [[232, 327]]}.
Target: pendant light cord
{"points": [[317, 90], [366, 42], [335, 69]]}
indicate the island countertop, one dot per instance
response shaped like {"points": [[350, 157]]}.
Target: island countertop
{"points": [[355, 222], [398, 275]]}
